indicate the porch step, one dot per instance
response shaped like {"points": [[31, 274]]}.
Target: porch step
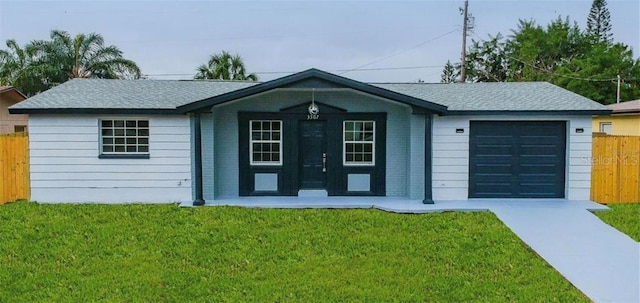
{"points": [[312, 193]]}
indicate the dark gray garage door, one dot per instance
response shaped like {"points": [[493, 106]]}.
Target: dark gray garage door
{"points": [[517, 159]]}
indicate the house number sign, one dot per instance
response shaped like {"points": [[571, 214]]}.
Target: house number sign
{"points": [[314, 112]]}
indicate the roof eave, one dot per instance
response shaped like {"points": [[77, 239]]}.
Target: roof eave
{"points": [[101, 111], [529, 112]]}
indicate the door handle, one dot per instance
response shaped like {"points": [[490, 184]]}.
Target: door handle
{"points": [[324, 162]]}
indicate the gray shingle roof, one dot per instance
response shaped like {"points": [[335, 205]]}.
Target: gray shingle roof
{"points": [[133, 94], [496, 96], [169, 94]]}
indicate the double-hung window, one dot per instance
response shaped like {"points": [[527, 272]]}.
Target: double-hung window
{"points": [[605, 127], [124, 137], [265, 146], [359, 142]]}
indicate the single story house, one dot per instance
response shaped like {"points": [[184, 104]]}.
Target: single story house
{"points": [[624, 119], [312, 132], [11, 123]]}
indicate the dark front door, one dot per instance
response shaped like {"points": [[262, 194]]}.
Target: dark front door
{"points": [[312, 150]]}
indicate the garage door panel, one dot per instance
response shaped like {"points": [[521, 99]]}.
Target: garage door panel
{"points": [[509, 159]]}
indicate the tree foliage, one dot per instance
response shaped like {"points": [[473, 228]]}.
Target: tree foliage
{"points": [[449, 74], [41, 64], [585, 62], [599, 22], [224, 66]]}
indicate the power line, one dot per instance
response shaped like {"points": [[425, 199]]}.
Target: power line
{"points": [[331, 71], [400, 52]]}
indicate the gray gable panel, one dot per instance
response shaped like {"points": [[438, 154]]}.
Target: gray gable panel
{"points": [[312, 78]]}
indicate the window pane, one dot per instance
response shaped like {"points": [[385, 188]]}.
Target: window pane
{"points": [[257, 157], [275, 126], [349, 148], [119, 140], [348, 136], [118, 123], [107, 140], [266, 147], [257, 147], [143, 123], [107, 123], [275, 147], [119, 149], [107, 132], [275, 136], [143, 141], [368, 148], [131, 132], [143, 148], [255, 125], [368, 157], [131, 141], [275, 157], [131, 149], [143, 132], [107, 149], [119, 132], [256, 135], [348, 126]]}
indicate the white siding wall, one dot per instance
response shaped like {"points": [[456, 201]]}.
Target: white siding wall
{"points": [[65, 165], [451, 155]]}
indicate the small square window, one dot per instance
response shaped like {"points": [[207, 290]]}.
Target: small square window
{"points": [[124, 137]]}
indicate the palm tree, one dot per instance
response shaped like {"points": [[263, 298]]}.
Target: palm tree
{"points": [[82, 56], [224, 66], [17, 70]]}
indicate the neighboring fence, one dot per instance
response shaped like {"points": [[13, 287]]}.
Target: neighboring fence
{"points": [[616, 169], [14, 167]]}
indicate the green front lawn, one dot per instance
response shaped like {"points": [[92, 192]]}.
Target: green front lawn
{"points": [[84, 253], [624, 217]]}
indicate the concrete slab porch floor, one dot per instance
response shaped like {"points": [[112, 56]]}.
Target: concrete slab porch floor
{"points": [[598, 259]]}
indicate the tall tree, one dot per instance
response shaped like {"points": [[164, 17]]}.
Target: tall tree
{"points": [[82, 56], [16, 69], [224, 66], [486, 61], [599, 22], [449, 74]]}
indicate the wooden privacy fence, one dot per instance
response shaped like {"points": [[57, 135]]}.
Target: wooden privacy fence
{"points": [[615, 169], [14, 167]]}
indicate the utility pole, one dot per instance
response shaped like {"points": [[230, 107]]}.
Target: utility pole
{"points": [[465, 28], [618, 92]]}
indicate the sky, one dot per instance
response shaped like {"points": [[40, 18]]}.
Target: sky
{"points": [[371, 41]]}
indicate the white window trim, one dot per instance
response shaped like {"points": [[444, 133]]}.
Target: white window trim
{"points": [[100, 139], [602, 128], [251, 141], [344, 145]]}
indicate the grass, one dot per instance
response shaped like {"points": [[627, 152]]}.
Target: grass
{"points": [[79, 253], [624, 217]]}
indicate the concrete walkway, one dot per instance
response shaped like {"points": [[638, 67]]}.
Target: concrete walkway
{"points": [[596, 258]]}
